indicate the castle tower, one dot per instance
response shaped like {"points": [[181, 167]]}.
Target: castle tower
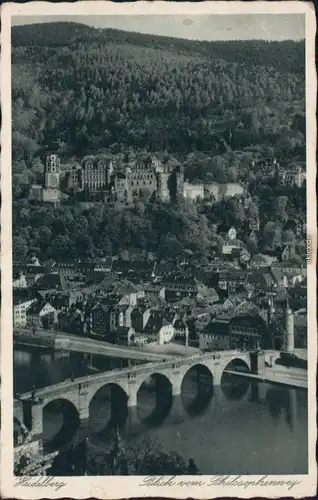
{"points": [[163, 187], [109, 172], [289, 330], [52, 172], [179, 182]]}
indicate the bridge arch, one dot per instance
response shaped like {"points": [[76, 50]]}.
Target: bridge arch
{"points": [[60, 422], [235, 387], [197, 388], [237, 363], [154, 398], [108, 408]]}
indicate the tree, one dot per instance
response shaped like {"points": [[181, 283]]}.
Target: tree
{"points": [[281, 205], [296, 259], [29, 463], [232, 174], [289, 236], [137, 456], [19, 249], [252, 211], [105, 244], [252, 246], [61, 247], [272, 236], [170, 246], [45, 235]]}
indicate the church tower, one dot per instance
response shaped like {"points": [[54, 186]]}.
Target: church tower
{"points": [[52, 172]]}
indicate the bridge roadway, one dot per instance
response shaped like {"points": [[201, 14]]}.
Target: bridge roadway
{"points": [[78, 394], [109, 376], [280, 375], [87, 345], [81, 391]]}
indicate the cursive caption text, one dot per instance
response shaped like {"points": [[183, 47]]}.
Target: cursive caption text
{"points": [[39, 482], [233, 481]]}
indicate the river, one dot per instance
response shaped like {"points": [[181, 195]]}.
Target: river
{"points": [[241, 427]]}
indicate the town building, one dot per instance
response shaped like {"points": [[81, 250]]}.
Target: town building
{"points": [[41, 315], [234, 331], [178, 287], [20, 308], [139, 317], [19, 280], [159, 329], [292, 177], [101, 320]]}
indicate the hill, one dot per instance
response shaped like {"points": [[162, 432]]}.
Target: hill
{"points": [[78, 89], [286, 56]]}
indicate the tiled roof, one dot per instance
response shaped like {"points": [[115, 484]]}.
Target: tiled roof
{"points": [[153, 287], [104, 307], [179, 323], [233, 274], [155, 322], [134, 265], [35, 308], [277, 274]]}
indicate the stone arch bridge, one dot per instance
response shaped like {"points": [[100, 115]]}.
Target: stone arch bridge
{"points": [[80, 392]]}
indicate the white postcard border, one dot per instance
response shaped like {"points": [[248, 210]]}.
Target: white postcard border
{"points": [[124, 487]]}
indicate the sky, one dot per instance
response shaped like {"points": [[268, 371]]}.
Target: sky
{"points": [[200, 27]]}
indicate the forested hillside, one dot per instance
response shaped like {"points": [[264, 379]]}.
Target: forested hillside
{"points": [[216, 106], [80, 89]]}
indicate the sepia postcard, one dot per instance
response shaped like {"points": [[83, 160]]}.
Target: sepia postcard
{"points": [[158, 250]]}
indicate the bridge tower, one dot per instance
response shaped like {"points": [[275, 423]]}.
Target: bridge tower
{"points": [[257, 362], [289, 330]]}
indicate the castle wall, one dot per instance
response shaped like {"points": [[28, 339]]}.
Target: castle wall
{"points": [[214, 189], [193, 191], [51, 195], [140, 179]]}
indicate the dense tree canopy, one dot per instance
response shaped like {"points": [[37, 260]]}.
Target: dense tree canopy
{"points": [[224, 109], [87, 89]]}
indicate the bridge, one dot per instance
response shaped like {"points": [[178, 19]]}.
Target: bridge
{"points": [[73, 343], [79, 393]]}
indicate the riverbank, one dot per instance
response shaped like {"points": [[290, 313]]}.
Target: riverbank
{"points": [[26, 338], [283, 375], [287, 375], [88, 345]]}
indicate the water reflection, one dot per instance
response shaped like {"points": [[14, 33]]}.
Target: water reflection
{"points": [[251, 427], [154, 400], [258, 392], [197, 390], [283, 404], [234, 387], [60, 423], [107, 410]]}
